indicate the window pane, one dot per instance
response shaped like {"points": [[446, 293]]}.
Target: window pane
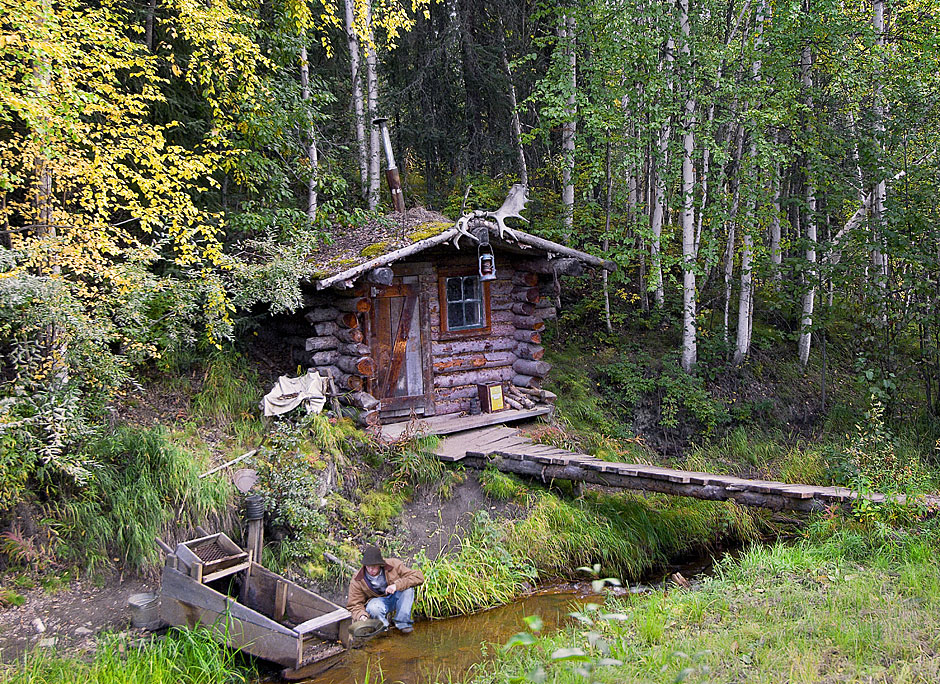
{"points": [[453, 290], [472, 313], [470, 287], [455, 318]]}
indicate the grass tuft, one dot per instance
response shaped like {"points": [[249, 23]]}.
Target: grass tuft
{"points": [[482, 574], [183, 657], [140, 484]]}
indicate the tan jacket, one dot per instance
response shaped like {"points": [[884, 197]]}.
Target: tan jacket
{"points": [[396, 573]]}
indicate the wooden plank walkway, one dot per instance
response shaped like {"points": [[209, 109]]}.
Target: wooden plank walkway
{"points": [[448, 423], [510, 451]]}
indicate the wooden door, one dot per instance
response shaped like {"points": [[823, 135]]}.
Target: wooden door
{"points": [[397, 348]]}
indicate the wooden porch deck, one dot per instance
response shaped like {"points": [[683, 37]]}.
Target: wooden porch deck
{"points": [[449, 424], [510, 451]]}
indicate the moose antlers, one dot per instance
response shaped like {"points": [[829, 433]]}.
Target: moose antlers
{"points": [[514, 204]]}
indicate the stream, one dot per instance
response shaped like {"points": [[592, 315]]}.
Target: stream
{"points": [[445, 650]]}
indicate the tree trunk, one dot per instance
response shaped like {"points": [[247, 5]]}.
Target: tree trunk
{"points": [[358, 105], [148, 24], [567, 39], [745, 296], [606, 242], [732, 226], [310, 134], [659, 186], [809, 296], [879, 193], [776, 255], [513, 107], [689, 348], [372, 100]]}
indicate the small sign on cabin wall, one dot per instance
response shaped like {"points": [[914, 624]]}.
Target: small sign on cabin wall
{"points": [[491, 397]]}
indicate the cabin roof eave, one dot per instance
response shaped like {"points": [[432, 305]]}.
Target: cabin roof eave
{"points": [[345, 278]]}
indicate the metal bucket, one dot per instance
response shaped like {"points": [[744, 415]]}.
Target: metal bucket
{"points": [[145, 611]]}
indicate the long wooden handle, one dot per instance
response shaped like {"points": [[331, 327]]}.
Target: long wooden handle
{"points": [[163, 546]]}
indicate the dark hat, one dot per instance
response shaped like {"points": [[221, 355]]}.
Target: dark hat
{"points": [[372, 556]]}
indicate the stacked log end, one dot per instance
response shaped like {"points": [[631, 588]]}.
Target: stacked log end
{"points": [[337, 348], [530, 308]]}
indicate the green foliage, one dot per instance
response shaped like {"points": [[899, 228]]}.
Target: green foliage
{"points": [[138, 485], [414, 463], [483, 573], [880, 461], [380, 508], [678, 393], [626, 535], [183, 657], [855, 597], [229, 391], [500, 486], [11, 597]]}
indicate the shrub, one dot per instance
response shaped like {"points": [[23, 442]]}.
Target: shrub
{"points": [[139, 483]]}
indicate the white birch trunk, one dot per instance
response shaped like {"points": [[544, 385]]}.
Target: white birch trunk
{"points": [[880, 191], [689, 340], [745, 296], [776, 254], [372, 101], [809, 296], [659, 186], [310, 134], [358, 105], [606, 242], [732, 228], [567, 34]]}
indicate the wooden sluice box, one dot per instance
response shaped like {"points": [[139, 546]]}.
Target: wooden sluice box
{"points": [[211, 581]]}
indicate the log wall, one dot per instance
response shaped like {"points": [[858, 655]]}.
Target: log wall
{"points": [[333, 335], [510, 352]]}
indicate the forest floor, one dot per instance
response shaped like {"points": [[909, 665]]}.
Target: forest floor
{"points": [[766, 422]]}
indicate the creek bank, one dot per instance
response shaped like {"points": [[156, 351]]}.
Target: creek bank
{"points": [[451, 648]]}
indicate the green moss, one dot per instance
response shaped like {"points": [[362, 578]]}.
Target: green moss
{"points": [[375, 249], [426, 230], [380, 508]]}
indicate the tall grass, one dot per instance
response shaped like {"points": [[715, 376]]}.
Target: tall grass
{"points": [[481, 574], [628, 535], [849, 603], [141, 483], [230, 390], [183, 657]]}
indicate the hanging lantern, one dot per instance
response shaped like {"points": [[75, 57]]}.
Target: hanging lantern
{"points": [[485, 257], [487, 263]]}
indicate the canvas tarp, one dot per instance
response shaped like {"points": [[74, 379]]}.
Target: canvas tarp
{"points": [[289, 393]]}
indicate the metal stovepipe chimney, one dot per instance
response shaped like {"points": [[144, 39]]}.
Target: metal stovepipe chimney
{"points": [[391, 173]]}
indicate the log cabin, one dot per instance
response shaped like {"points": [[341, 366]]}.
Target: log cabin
{"points": [[408, 323]]}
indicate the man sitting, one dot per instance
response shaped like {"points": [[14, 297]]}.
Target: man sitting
{"points": [[383, 587]]}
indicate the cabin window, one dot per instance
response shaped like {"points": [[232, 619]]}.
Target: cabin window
{"points": [[464, 304]]}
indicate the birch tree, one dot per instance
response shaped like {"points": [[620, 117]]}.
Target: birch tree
{"points": [[352, 41], [372, 99], [567, 35], [809, 222], [689, 339], [658, 166], [746, 294]]}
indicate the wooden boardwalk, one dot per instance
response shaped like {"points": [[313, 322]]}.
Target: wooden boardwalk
{"points": [[510, 451]]}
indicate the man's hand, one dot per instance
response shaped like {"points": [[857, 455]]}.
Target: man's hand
{"points": [[390, 589]]}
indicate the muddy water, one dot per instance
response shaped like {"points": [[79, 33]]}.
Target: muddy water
{"points": [[443, 650]]}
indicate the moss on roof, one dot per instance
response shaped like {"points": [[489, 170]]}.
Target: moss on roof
{"points": [[355, 245]]}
